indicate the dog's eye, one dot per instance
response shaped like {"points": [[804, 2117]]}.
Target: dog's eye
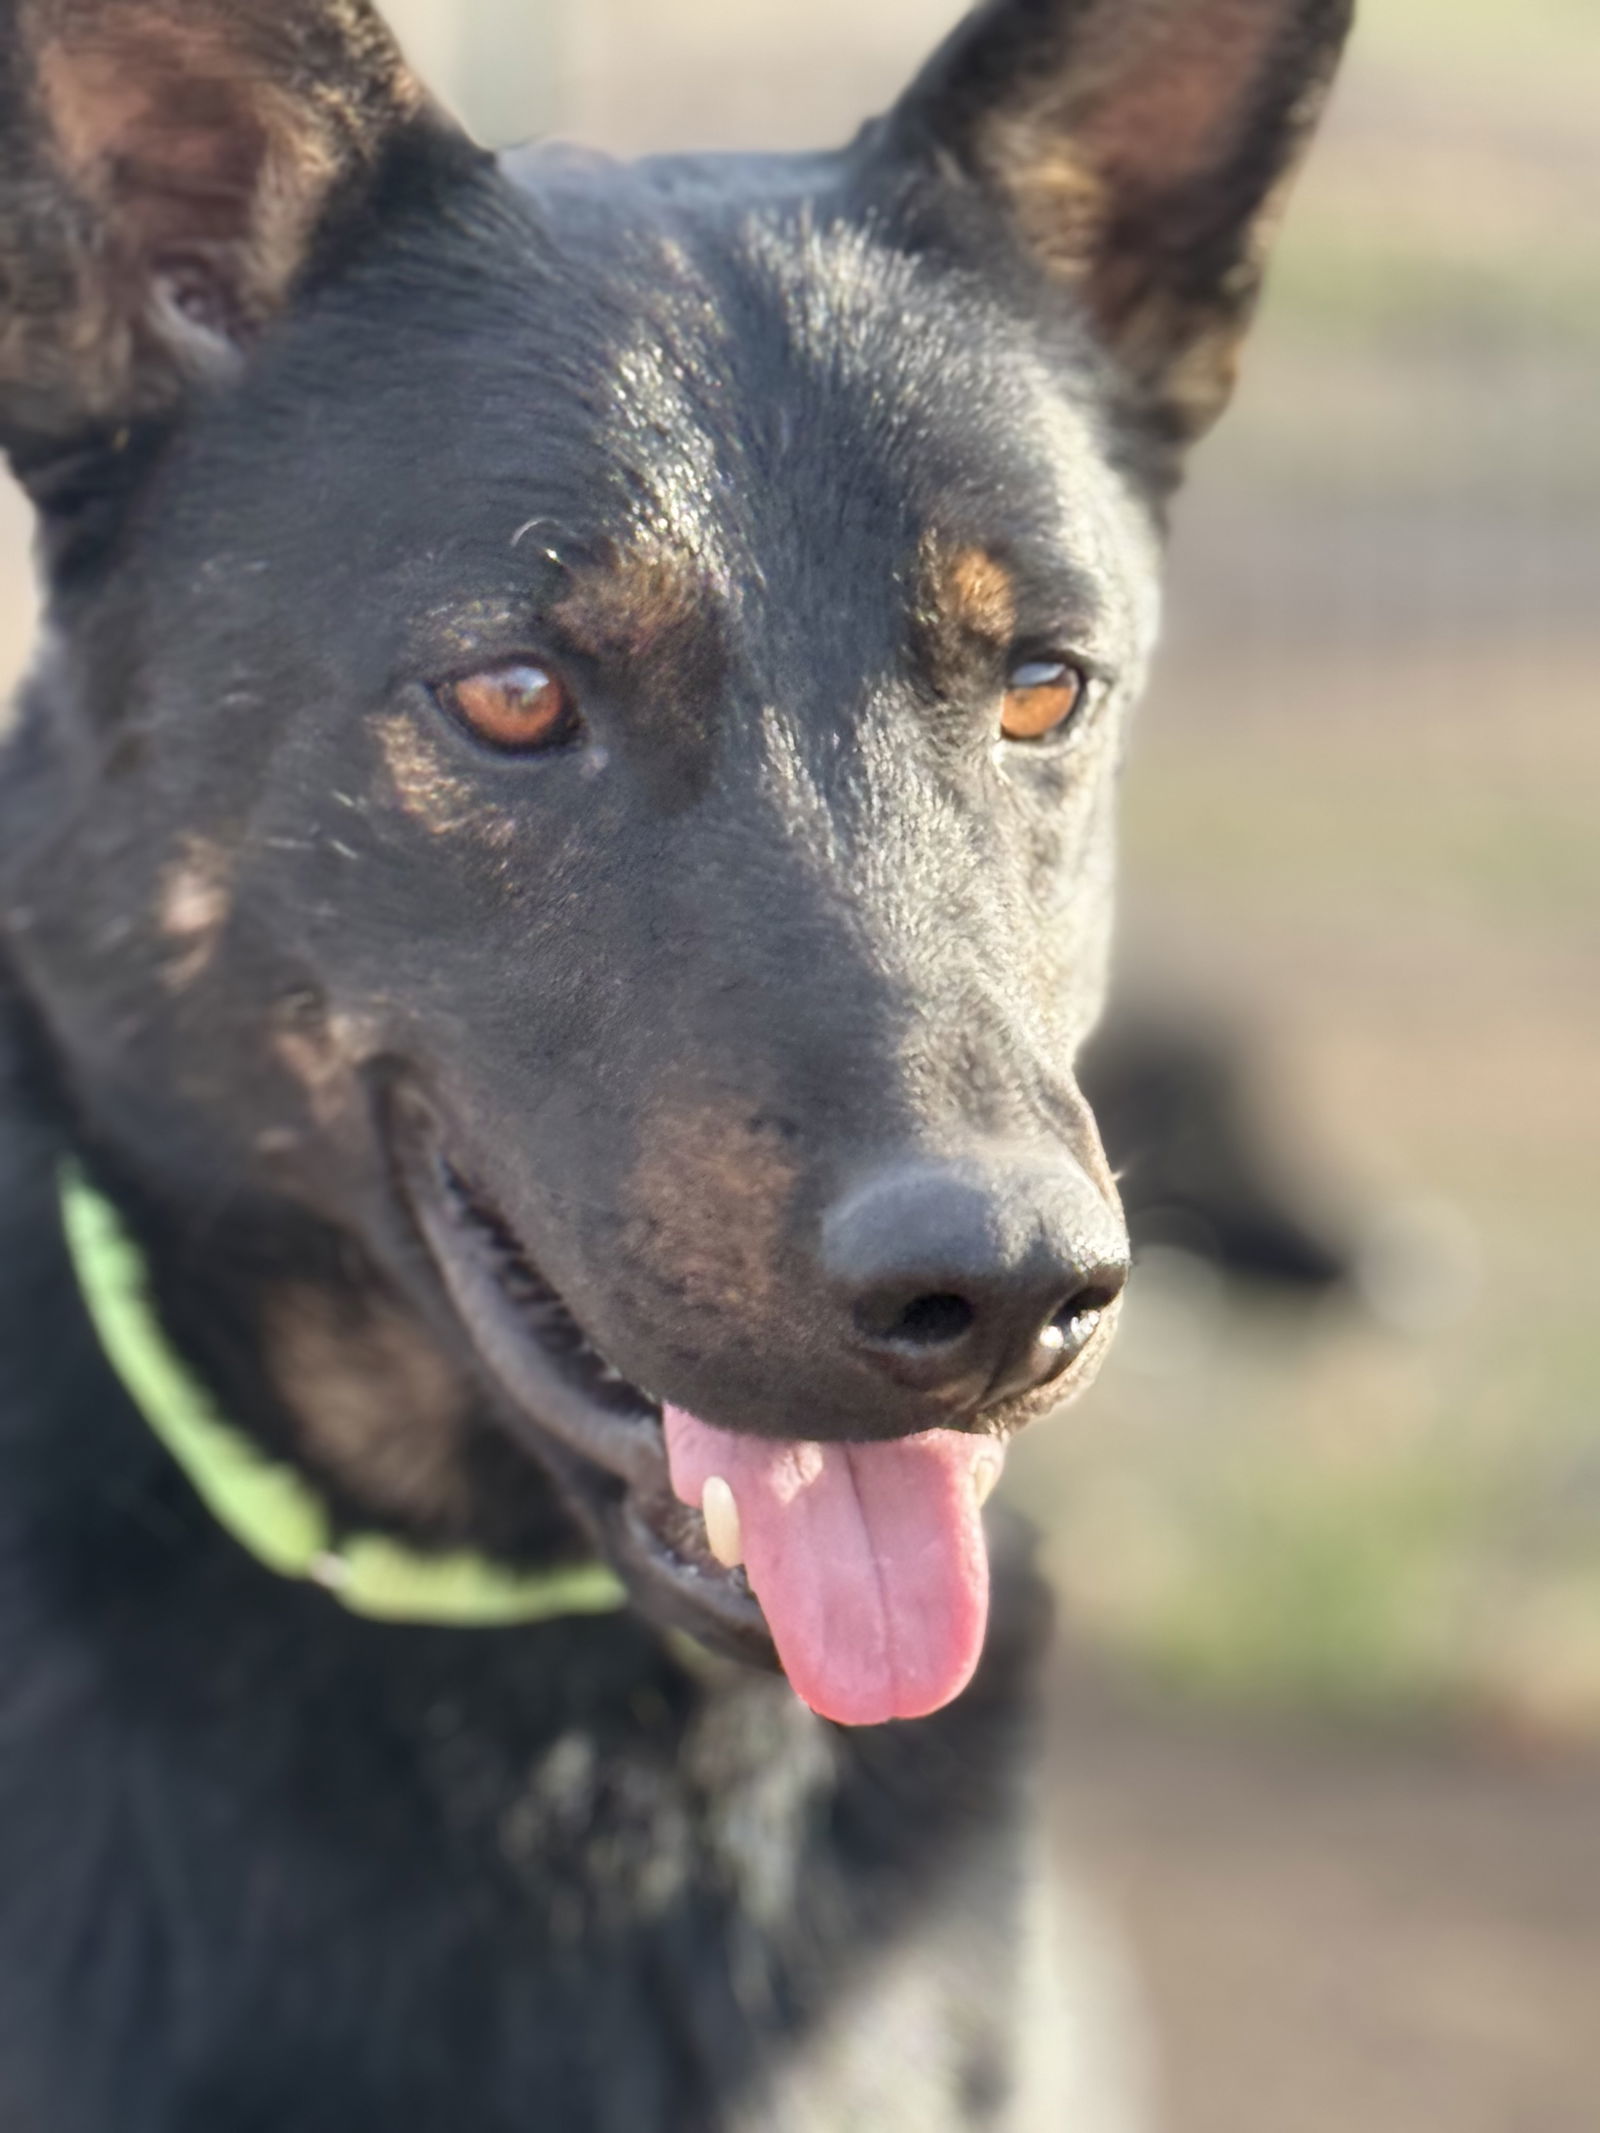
{"points": [[515, 708], [1043, 695]]}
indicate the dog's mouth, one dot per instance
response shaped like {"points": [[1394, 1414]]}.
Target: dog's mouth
{"points": [[867, 1571], [602, 1438]]}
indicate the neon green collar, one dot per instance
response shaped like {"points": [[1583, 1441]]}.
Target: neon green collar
{"points": [[271, 1510]]}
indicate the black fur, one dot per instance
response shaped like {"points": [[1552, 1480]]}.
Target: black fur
{"points": [[784, 464]]}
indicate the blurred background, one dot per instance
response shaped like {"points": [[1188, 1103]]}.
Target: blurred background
{"points": [[1328, 1534]]}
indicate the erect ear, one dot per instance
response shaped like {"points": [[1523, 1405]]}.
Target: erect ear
{"points": [[166, 169], [1137, 149]]}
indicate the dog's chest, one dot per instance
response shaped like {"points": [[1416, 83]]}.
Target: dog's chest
{"points": [[315, 1898]]}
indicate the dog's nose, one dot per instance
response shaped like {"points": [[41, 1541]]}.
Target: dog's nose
{"points": [[975, 1281]]}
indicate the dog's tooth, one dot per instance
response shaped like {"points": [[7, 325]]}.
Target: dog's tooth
{"points": [[986, 1474], [720, 1508]]}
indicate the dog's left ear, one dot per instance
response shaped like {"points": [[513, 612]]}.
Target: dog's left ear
{"points": [[1136, 149], [167, 170]]}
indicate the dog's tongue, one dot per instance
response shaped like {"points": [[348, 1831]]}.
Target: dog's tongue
{"points": [[868, 1560]]}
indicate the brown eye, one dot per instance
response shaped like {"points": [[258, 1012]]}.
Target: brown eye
{"points": [[1044, 694], [516, 708]]}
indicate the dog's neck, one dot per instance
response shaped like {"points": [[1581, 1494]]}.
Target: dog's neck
{"points": [[272, 1510], [308, 1352]]}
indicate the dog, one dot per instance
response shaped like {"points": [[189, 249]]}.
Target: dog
{"points": [[555, 864]]}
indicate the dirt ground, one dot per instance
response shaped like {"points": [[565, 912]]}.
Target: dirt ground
{"points": [[1342, 1933]]}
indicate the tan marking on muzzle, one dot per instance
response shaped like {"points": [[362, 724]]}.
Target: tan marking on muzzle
{"points": [[709, 1201]]}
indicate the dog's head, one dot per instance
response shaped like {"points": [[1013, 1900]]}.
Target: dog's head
{"points": [[575, 743]]}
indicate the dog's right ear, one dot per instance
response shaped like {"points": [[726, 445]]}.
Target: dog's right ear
{"points": [[168, 171]]}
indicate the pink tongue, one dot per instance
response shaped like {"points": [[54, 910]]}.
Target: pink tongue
{"points": [[868, 1560]]}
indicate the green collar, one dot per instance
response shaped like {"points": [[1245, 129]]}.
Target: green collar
{"points": [[271, 1510]]}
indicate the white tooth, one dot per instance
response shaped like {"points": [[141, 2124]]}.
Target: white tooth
{"points": [[986, 1475], [720, 1508]]}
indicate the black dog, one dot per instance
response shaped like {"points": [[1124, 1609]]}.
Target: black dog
{"points": [[568, 786]]}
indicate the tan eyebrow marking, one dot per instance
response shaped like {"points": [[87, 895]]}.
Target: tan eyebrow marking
{"points": [[657, 621], [966, 606], [977, 594], [638, 607]]}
